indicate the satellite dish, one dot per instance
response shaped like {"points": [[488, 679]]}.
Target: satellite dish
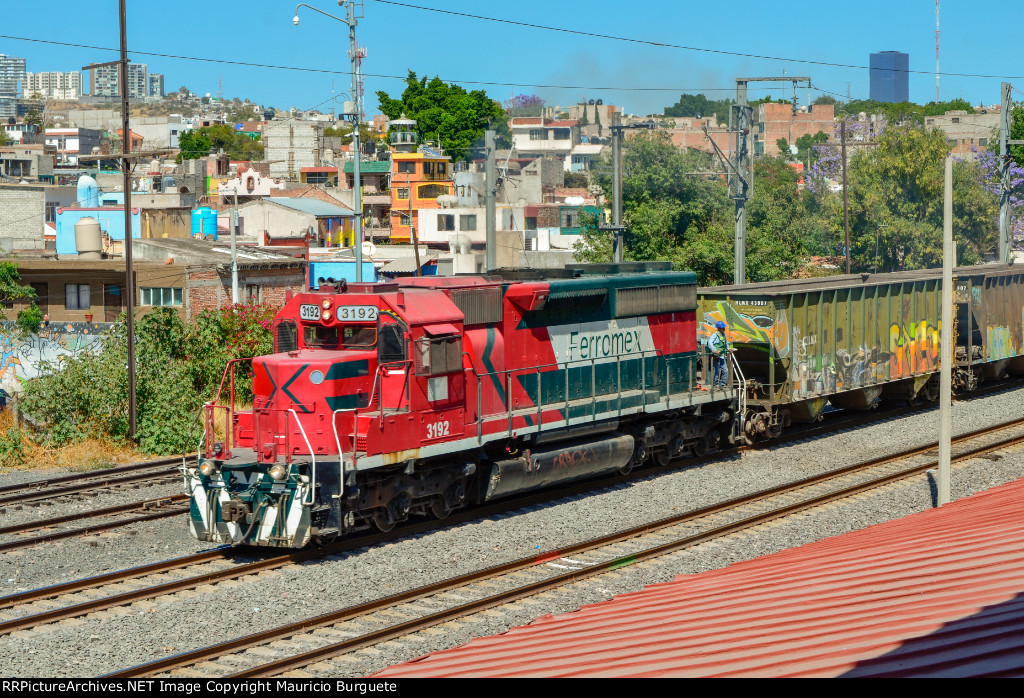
{"points": [[793, 149], [369, 248]]}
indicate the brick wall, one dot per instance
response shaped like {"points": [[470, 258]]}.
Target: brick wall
{"points": [[208, 288], [547, 217], [775, 121]]}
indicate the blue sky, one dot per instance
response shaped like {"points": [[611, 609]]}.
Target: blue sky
{"points": [[460, 49]]}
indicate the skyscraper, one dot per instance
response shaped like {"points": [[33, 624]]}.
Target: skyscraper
{"points": [[12, 82], [890, 76], [156, 85], [103, 81]]}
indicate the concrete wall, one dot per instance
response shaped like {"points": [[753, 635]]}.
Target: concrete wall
{"points": [[291, 145], [23, 214]]}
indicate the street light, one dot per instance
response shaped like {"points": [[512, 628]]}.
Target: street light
{"points": [[357, 196]]}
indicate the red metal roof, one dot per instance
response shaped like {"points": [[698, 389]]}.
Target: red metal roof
{"points": [[935, 594]]}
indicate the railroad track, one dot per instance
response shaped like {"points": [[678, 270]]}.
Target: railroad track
{"points": [[77, 598], [165, 469], [110, 590], [314, 641], [135, 512]]}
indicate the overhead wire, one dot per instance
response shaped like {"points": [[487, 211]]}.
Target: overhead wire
{"points": [[660, 44]]}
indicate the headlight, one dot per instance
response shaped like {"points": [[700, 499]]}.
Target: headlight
{"points": [[327, 315], [208, 467], [326, 303], [278, 472]]}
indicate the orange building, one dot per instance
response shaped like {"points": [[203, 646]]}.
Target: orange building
{"points": [[419, 175]]}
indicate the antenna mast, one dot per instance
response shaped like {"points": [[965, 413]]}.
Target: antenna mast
{"points": [[936, 51]]}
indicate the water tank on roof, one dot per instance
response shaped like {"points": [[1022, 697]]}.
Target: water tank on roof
{"points": [[88, 238], [88, 194], [574, 201], [204, 223]]}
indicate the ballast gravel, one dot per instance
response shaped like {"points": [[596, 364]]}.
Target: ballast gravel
{"points": [[108, 641]]}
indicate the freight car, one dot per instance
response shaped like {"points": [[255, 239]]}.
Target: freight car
{"points": [[383, 401], [848, 341]]}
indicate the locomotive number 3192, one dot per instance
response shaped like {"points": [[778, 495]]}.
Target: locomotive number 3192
{"points": [[437, 430]]}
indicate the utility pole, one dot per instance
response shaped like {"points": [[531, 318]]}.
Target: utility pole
{"points": [[357, 191], [618, 252], [234, 251], [491, 176], [846, 199], [126, 169], [946, 352], [1005, 119]]}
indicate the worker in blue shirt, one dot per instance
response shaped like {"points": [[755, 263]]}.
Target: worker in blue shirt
{"points": [[718, 345]]}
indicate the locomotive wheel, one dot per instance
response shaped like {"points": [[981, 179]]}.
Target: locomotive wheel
{"points": [[382, 520], [700, 448], [439, 508], [662, 457]]}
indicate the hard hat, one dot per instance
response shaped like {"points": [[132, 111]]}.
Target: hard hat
{"points": [[720, 325]]}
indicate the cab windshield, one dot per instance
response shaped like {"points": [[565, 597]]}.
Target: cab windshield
{"points": [[344, 337]]}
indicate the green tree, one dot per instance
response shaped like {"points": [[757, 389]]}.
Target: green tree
{"points": [[193, 145], [698, 105], [896, 203], [11, 289], [200, 142], [447, 113]]}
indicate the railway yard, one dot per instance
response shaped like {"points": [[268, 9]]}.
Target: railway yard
{"points": [[172, 605]]}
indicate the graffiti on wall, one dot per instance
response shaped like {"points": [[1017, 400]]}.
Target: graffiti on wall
{"points": [[25, 357], [748, 327], [913, 349]]}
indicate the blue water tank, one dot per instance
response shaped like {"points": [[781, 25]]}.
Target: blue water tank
{"points": [[204, 223], [88, 193]]}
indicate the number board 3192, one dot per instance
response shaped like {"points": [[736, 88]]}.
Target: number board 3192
{"points": [[357, 313]]}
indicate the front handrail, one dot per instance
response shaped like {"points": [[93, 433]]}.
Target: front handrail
{"points": [[312, 482], [741, 383]]}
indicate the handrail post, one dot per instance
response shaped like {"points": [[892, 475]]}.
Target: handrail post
{"points": [[508, 397]]}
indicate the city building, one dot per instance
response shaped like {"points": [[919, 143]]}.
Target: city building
{"points": [[21, 132], [54, 85], [103, 81], [12, 79], [420, 175], [156, 85], [594, 117], [533, 137], [773, 121], [297, 222], [890, 73], [70, 143], [191, 276], [33, 162], [967, 131], [290, 145]]}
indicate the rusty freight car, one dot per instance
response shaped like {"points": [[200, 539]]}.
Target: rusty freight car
{"points": [[851, 340]]}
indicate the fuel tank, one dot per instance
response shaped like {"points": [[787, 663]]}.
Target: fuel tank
{"points": [[539, 468]]}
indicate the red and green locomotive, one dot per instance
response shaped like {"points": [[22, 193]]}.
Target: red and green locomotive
{"points": [[388, 400]]}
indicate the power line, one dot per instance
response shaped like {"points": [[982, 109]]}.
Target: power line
{"points": [[659, 44]]}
